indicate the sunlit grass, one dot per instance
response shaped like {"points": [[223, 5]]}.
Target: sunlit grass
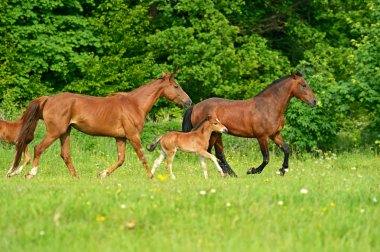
{"points": [[325, 203]]}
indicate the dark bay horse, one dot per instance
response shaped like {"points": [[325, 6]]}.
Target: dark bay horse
{"points": [[195, 141], [10, 130], [260, 117], [120, 116]]}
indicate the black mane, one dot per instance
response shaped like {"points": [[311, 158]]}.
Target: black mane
{"points": [[274, 83]]}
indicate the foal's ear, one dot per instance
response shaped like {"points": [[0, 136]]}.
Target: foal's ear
{"points": [[208, 117], [164, 75]]}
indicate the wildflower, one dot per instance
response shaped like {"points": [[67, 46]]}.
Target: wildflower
{"points": [[332, 204], [202, 192], [362, 210], [42, 232], [303, 191], [228, 204], [213, 190], [280, 203], [353, 168], [374, 200], [100, 218], [162, 177], [123, 206]]}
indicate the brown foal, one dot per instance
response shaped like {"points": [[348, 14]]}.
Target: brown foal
{"points": [[195, 141], [120, 116]]}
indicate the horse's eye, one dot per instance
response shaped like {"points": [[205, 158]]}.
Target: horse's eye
{"points": [[304, 85], [176, 86]]}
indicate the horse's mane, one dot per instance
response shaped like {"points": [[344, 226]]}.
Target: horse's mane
{"points": [[199, 124], [126, 93], [274, 83]]}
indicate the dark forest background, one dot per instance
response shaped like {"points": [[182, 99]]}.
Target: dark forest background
{"points": [[225, 48]]}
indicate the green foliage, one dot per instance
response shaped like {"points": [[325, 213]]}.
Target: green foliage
{"points": [[226, 48]]}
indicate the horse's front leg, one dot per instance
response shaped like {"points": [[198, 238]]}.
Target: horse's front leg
{"points": [[219, 153], [120, 143], [136, 144], [277, 139], [263, 142]]}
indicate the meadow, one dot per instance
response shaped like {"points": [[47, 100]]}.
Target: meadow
{"points": [[326, 202]]}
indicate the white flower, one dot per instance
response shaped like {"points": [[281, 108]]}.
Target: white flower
{"points": [[203, 192], [303, 191], [280, 203], [362, 210], [123, 206], [228, 204], [374, 200], [42, 232], [353, 168], [213, 190]]}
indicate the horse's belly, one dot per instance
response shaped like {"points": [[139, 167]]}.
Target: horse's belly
{"points": [[104, 129]]}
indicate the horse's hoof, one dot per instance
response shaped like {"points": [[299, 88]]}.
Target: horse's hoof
{"points": [[102, 174], [150, 175], [282, 171], [28, 176], [252, 171]]}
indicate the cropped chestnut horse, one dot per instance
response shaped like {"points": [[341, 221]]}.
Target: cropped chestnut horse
{"points": [[120, 116], [195, 141], [260, 117], [10, 130]]}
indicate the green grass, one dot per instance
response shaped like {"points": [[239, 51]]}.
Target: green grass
{"points": [[128, 212]]}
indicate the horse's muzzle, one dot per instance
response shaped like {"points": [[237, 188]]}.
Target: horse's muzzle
{"points": [[187, 103], [225, 130], [312, 103]]}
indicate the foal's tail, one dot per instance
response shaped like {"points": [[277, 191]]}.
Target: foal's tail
{"points": [[186, 121], [30, 119], [154, 144]]}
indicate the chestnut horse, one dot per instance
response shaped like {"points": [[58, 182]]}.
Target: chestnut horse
{"points": [[120, 116], [195, 141], [260, 117], [9, 131]]}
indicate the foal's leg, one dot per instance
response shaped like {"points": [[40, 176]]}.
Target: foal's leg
{"points": [[65, 152], [136, 144], [26, 162], [263, 142], [205, 154], [204, 166], [220, 155], [38, 150], [169, 162], [158, 161], [277, 139], [120, 143]]}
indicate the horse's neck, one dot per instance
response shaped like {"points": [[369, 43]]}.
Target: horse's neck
{"points": [[146, 96], [278, 96]]}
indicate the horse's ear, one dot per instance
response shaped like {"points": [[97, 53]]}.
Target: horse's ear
{"points": [[164, 75], [298, 73], [208, 117], [175, 71]]}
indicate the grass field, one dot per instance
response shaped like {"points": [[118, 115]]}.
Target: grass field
{"points": [[325, 203]]}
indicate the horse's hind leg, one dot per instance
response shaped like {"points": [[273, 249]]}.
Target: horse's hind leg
{"points": [[38, 150], [263, 142], [219, 153], [158, 161], [65, 152], [169, 162], [120, 143], [26, 162], [277, 139]]}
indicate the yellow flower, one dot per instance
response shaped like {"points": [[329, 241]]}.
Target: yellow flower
{"points": [[162, 177], [332, 204], [100, 218]]}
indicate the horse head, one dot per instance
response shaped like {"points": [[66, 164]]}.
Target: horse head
{"points": [[302, 90], [173, 91]]}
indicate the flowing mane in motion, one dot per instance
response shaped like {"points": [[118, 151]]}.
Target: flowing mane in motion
{"points": [[195, 141], [120, 116], [10, 130], [260, 117]]}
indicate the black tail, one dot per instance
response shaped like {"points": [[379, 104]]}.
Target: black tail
{"points": [[186, 121], [30, 119], [154, 144]]}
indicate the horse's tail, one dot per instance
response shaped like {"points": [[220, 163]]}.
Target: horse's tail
{"points": [[186, 121], [154, 143], [30, 119]]}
